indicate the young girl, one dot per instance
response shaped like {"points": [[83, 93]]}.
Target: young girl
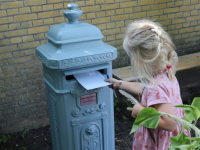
{"points": [[152, 53]]}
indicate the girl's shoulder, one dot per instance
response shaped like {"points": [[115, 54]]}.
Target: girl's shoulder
{"points": [[163, 80], [164, 84]]}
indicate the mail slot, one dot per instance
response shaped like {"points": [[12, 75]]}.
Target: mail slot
{"points": [[80, 119], [71, 77]]}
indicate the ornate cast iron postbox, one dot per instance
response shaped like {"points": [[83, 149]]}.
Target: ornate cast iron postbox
{"points": [[80, 119]]}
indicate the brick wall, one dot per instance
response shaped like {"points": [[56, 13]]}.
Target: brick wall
{"points": [[24, 25]]}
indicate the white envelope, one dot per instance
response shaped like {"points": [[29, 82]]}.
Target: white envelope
{"points": [[91, 80]]}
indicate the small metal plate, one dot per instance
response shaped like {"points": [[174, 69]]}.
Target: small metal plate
{"points": [[88, 99]]}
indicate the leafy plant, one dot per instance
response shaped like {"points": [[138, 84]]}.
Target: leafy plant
{"points": [[23, 134], [9, 136], [149, 117], [189, 101], [128, 104], [116, 102], [23, 148], [4, 139], [117, 109], [124, 117]]}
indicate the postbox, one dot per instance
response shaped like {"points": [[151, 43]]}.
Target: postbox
{"points": [[80, 119]]}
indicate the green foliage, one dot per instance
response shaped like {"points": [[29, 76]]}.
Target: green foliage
{"points": [[180, 139], [186, 127], [189, 101], [117, 109], [197, 147], [116, 102], [191, 112], [149, 117], [196, 103], [194, 138], [23, 134], [184, 147], [128, 103], [4, 139], [129, 108], [23, 148], [124, 117]]}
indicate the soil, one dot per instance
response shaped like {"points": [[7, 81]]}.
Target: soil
{"points": [[40, 139]]}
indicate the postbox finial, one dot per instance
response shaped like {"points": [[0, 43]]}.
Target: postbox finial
{"points": [[73, 13]]}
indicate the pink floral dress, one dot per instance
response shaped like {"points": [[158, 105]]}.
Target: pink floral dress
{"points": [[164, 92]]}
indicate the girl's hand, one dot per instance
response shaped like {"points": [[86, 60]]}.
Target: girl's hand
{"points": [[115, 83], [136, 109]]}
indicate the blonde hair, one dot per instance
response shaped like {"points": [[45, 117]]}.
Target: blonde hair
{"points": [[150, 49]]}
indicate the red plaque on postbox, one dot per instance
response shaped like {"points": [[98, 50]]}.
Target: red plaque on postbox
{"points": [[88, 99]]}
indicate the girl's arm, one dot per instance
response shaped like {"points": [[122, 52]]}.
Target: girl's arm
{"points": [[131, 87], [165, 123]]}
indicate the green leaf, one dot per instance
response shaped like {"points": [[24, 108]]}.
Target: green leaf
{"points": [[1, 140], [187, 120], [149, 117], [118, 109], [180, 139], [24, 148], [197, 147], [135, 128], [193, 145], [194, 138], [116, 102], [183, 147], [5, 139], [128, 104], [186, 127], [191, 112], [171, 148], [124, 117], [196, 103], [129, 108], [23, 134]]}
